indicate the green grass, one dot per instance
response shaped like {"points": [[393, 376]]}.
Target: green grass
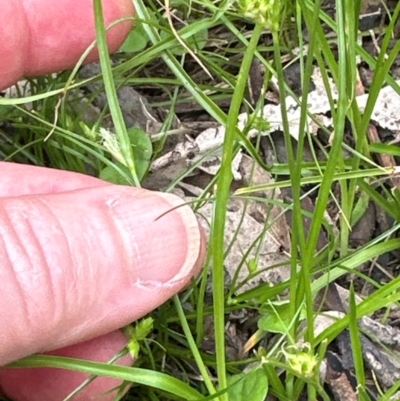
{"points": [[288, 368]]}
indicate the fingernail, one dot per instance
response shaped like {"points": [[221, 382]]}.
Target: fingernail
{"points": [[161, 234]]}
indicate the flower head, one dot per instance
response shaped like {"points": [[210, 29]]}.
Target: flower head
{"points": [[265, 12], [301, 359]]}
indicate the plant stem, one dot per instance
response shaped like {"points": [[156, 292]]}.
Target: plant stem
{"points": [[115, 110], [220, 207]]}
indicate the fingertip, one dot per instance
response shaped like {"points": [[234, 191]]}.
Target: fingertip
{"points": [[21, 179], [14, 45], [45, 36], [61, 33], [191, 232]]}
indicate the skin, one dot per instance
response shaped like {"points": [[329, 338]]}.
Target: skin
{"points": [[80, 257], [55, 384], [40, 36]]}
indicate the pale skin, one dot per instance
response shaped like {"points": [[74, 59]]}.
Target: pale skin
{"points": [[80, 258]]}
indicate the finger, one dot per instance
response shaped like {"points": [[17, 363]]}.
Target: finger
{"points": [[83, 263], [44, 36], [50, 384], [20, 179]]}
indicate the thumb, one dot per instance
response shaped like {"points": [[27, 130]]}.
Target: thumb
{"points": [[82, 263]]}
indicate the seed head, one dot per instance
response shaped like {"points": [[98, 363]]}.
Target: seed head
{"points": [[265, 12]]}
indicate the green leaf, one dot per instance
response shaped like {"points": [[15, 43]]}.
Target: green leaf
{"points": [[136, 40], [142, 150], [145, 377], [277, 318], [178, 3], [5, 112], [248, 386], [384, 148], [360, 208], [110, 174]]}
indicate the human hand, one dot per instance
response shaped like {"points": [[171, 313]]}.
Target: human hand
{"points": [[80, 258]]}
